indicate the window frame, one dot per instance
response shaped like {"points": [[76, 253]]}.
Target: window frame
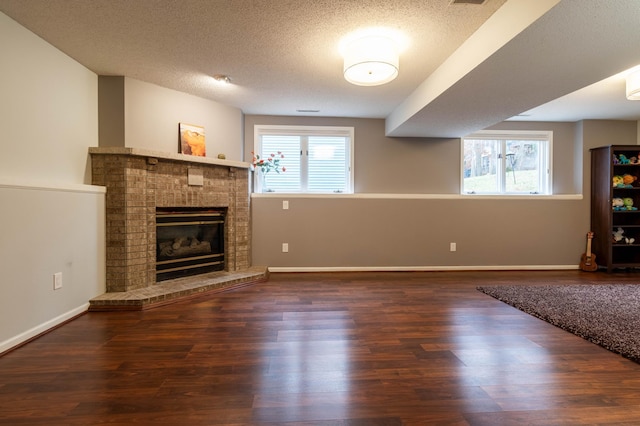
{"points": [[304, 132], [546, 136]]}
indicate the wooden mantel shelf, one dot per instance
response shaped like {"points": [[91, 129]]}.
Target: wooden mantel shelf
{"points": [[167, 156]]}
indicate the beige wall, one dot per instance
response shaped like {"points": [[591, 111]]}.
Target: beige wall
{"points": [[407, 210], [111, 111], [51, 220], [152, 114], [415, 233], [136, 114]]}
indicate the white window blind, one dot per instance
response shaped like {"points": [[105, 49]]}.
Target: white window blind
{"points": [[328, 171], [316, 159], [289, 146]]}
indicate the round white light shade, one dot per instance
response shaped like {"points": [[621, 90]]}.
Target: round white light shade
{"points": [[371, 60], [633, 86]]}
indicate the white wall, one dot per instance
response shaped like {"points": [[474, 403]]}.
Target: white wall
{"points": [[50, 220], [152, 114], [45, 231], [48, 113]]}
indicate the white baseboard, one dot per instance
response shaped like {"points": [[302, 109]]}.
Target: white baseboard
{"points": [[39, 329], [420, 268]]}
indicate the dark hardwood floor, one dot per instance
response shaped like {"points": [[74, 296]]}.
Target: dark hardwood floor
{"points": [[401, 348]]}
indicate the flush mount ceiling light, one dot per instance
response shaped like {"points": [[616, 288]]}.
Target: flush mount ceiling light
{"points": [[370, 59], [633, 86]]}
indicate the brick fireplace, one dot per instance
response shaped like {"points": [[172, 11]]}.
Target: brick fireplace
{"points": [[139, 182]]}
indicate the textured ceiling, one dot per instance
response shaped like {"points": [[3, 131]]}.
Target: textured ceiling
{"points": [[282, 55]]}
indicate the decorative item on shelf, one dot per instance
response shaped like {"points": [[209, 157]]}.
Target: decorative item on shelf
{"points": [[222, 157], [272, 163], [628, 204], [265, 166], [622, 159], [628, 180], [623, 181], [617, 204], [633, 160], [615, 159], [618, 235], [192, 140]]}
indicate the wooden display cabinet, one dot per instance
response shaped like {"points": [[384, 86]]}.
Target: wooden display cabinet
{"points": [[607, 162]]}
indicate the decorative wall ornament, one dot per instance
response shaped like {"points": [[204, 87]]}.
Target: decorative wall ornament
{"points": [[192, 140]]}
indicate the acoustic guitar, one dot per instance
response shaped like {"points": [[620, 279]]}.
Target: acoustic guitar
{"points": [[588, 259]]}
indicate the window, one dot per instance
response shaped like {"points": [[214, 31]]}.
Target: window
{"points": [[316, 159], [507, 162]]}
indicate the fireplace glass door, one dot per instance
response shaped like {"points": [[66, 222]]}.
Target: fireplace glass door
{"points": [[189, 241]]}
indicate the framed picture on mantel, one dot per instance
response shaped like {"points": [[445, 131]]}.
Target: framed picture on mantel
{"points": [[192, 140]]}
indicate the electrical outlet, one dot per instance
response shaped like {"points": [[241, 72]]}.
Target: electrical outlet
{"points": [[285, 247], [285, 205], [57, 280], [452, 247]]}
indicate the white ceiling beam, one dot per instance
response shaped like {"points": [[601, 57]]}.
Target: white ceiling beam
{"points": [[528, 53]]}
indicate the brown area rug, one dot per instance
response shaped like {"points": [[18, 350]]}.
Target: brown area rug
{"points": [[605, 314]]}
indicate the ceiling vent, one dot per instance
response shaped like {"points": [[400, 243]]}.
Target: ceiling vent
{"points": [[468, 1]]}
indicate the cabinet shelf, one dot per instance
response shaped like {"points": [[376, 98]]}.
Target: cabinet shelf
{"points": [[605, 220]]}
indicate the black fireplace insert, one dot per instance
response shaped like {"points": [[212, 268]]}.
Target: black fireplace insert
{"points": [[189, 241]]}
